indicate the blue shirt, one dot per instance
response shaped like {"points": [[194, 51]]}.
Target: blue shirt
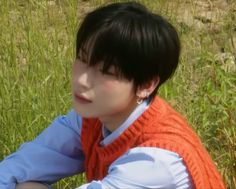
{"points": [[57, 153]]}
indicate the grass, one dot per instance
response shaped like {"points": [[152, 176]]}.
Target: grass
{"points": [[37, 42]]}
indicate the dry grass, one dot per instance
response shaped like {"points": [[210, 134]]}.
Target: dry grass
{"points": [[37, 49]]}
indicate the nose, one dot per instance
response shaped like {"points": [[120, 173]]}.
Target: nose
{"points": [[84, 78]]}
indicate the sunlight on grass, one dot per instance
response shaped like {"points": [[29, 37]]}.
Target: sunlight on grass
{"points": [[37, 42]]}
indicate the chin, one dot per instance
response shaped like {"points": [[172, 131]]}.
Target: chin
{"points": [[85, 114]]}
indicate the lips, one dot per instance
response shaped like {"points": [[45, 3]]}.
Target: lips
{"points": [[81, 99]]}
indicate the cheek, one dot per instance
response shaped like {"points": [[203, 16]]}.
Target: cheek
{"points": [[118, 90], [110, 85]]}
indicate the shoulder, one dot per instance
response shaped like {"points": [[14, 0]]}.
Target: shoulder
{"points": [[166, 111], [70, 122], [168, 124]]}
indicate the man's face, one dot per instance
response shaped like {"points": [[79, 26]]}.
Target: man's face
{"points": [[101, 95]]}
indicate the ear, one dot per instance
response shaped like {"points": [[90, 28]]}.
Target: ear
{"points": [[145, 90]]}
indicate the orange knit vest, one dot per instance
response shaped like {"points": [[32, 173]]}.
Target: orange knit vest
{"points": [[159, 126]]}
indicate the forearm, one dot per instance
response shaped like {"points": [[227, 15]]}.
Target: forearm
{"points": [[33, 185]]}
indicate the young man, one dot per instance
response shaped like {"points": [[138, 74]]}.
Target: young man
{"points": [[119, 133]]}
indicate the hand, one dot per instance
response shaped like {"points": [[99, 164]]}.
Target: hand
{"points": [[31, 185]]}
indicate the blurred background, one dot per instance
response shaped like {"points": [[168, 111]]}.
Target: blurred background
{"points": [[37, 49]]}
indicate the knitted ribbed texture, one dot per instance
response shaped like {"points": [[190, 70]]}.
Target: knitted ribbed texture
{"points": [[159, 126]]}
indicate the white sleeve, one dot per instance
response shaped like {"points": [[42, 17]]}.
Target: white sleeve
{"points": [[145, 167]]}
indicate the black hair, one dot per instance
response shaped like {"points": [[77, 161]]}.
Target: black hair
{"points": [[141, 45]]}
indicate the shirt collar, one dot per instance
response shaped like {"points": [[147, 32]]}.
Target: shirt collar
{"points": [[110, 136]]}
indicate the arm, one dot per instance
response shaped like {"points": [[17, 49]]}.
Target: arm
{"points": [[145, 167], [32, 185], [54, 154]]}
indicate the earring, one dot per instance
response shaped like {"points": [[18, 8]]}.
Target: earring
{"points": [[139, 101], [145, 95]]}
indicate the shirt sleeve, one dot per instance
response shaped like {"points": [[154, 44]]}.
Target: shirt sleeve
{"points": [[145, 167], [54, 154]]}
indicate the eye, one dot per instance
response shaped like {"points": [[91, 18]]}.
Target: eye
{"points": [[107, 72], [110, 71]]}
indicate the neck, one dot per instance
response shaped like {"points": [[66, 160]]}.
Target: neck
{"points": [[112, 122]]}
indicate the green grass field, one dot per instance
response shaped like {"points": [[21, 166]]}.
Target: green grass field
{"points": [[37, 41]]}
